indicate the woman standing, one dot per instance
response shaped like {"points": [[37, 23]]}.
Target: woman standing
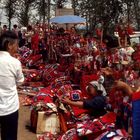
{"points": [[10, 76]]}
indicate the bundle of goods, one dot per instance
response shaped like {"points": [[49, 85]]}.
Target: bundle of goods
{"points": [[23, 50], [33, 61], [44, 75], [25, 100], [25, 56], [50, 73], [26, 94], [79, 52], [65, 61], [69, 135], [96, 126], [99, 129], [32, 75], [47, 136], [29, 59], [119, 134], [136, 54], [33, 78], [44, 114], [59, 82]]}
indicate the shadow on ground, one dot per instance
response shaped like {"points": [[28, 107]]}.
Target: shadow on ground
{"points": [[24, 132]]}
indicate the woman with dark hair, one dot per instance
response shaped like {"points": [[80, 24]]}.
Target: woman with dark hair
{"points": [[10, 76], [96, 102]]}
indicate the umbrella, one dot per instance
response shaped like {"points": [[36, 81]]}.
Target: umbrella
{"points": [[67, 19]]}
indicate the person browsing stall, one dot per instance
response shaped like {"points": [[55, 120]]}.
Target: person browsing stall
{"points": [[10, 76], [96, 102]]}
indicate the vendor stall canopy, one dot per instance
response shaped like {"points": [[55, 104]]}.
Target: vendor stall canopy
{"points": [[67, 19]]}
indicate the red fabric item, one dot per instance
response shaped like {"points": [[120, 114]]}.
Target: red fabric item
{"points": [[120, 134], [35, 42], [47, 91], [70, 135], [64, 90], [44, 95], [136, 55], [59, 82], [77, 93], [130, 30], [109, 118], [121, 32], [96, 126], [136, 96], [33, 60], [78, 111], [50, 74]]}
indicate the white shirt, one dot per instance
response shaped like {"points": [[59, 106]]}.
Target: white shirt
{"points": [[10, 75], [29, 36]]}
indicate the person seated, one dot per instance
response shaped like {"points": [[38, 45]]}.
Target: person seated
{"points": [[96, 103]]}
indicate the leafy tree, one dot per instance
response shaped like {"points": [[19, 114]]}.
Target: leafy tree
{"points": [[137, 12], [42, 6], [74, 6], [106, 12], [23, 13], [10, 9], [60, 3]]}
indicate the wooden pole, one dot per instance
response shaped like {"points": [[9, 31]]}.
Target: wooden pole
{"points": [[49, 8]]}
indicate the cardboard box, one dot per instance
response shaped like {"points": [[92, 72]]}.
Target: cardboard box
{"points": [[41, 123]]}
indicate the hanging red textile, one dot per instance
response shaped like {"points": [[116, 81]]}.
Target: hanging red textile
{"points": [[35, 42], [130, 30]]}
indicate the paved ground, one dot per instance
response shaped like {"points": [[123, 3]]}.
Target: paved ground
{"points": [[24, 121]]}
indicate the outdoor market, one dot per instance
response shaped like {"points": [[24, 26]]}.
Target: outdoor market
{"points": [[76, 84]]}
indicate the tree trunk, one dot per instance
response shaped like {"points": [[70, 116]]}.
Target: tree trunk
{"points": [[137, 10], [74, 6], [128, 12], [87, 23], [9, 17], [44, 12], [49, 14], [9, 20], [26, 15]]}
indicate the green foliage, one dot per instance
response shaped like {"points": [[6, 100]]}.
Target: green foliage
{"points": [[60, 3], [42, 9], [23, 12], [107, 12], [10, 9]]}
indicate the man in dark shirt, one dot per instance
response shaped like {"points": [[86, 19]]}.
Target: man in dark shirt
{"points": [[96, 102]]}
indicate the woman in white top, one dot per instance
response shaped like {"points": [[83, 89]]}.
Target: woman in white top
{"points": [[10, 75]]}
